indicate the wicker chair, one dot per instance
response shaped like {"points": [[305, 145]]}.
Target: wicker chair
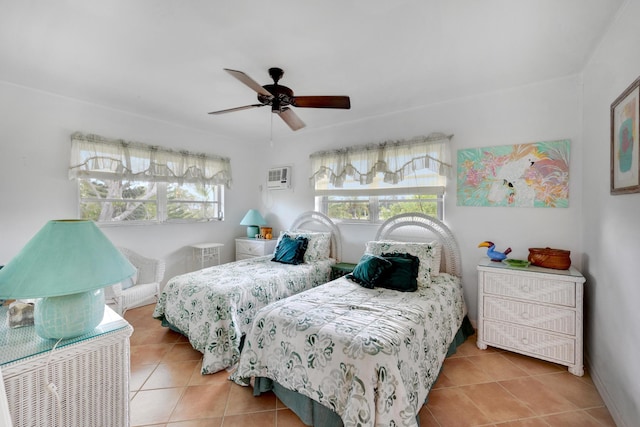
{"points": [[145, 289]]}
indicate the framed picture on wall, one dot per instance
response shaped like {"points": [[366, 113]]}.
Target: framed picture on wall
{"points": [[625, 145]]}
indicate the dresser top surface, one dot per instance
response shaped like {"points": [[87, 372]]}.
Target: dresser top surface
{"points": [[486, 264], [20, 343]]}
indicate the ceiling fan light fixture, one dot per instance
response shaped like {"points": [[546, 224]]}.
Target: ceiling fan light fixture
{"points": [[281, 97]]}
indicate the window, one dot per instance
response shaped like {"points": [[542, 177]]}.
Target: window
{"points": [[133, 183], [375, 182]]}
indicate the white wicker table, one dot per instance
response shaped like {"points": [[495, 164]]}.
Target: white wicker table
{"points": [[90, 374], [204, 253], [533, 311]]}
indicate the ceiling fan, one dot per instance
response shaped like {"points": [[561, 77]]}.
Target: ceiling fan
{"points": [[281, 97]]}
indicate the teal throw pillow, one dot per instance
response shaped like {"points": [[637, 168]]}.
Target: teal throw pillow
{"points": [[290, 251], [368, 270], [403, 273]]}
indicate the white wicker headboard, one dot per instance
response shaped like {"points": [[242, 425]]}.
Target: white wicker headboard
{"points": [[451, 259], [316, 221]]}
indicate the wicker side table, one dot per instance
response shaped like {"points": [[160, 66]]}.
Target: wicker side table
{"points": [[90, 374]]}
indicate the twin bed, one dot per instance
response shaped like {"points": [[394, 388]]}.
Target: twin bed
{"points": [[214, 307], [344, 354]]}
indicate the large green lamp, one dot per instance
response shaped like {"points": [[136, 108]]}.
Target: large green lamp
{"points": [[65, 265], [253, 220]]}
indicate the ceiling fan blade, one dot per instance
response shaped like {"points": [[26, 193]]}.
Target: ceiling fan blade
{"points": [[290, 118], [230, 110], [322, 102], [248, 81]]}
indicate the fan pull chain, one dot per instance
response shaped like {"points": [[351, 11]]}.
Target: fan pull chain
{"points": [[271, 132]]}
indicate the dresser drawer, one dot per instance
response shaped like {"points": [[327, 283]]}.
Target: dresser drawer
{"points": [[550, 318], [249, 248], [531, 288], [530, 341]]}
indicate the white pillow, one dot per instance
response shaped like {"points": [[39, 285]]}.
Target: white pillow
{"points": [[428, 253], [319, 246]]}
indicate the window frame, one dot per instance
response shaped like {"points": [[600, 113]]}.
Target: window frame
{"points": [[322, 202], [161, 201]]}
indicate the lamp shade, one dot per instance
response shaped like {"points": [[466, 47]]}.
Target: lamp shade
{"points": [[65, 265], [253, 217], [65, 257]]}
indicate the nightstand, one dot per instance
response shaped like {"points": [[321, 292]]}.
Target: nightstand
{"points": [[91, 373], [203, 253], [533, 311], [250, 248], [341, 269]]}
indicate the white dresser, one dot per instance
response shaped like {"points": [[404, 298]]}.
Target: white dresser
{"points": [[534, 311], [251, 248], [90, 374]]}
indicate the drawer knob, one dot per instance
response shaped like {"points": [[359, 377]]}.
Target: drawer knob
{"points": [[525, 341], [524, 315]]}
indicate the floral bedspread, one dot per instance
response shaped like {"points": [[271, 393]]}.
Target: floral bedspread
{"points": [[215, 306], [370, 355]]}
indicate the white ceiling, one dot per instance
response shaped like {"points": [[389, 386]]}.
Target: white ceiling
{"points": [[165, 59]]}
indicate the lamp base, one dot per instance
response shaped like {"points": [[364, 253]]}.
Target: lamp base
{"points": [[252, 230], [69, 316]]}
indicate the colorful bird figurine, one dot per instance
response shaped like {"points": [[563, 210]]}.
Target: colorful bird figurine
{"points": [[492, 253]]}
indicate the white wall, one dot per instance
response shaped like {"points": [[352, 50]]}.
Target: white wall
{"points": [[34, 156], [540, 112], [611, 228]]}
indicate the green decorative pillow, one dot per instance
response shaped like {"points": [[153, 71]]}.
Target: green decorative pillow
{"points": [[290, 251], [428, 253], [403, 274], [368, 270], [319, 246]]}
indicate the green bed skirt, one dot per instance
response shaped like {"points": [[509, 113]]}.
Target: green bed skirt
{"points": [[313, 413]]}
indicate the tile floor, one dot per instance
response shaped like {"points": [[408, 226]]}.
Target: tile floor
{"points": [[476, 388]]}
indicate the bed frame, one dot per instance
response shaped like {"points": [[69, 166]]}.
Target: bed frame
{"points": [[429, 226], [316, 221]]}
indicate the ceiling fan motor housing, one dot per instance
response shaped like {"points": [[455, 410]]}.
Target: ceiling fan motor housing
{"points": [[282, 96]]}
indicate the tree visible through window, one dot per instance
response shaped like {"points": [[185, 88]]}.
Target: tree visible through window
{"points": [[124, 182]]}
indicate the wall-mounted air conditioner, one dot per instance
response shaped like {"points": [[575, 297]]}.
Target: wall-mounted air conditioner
{"points": [[279, 178]]}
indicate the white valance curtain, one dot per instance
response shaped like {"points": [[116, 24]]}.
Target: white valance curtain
{"points": [[94, 156], [395, 160]]}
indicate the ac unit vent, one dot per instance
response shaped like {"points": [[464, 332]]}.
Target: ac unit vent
{"points": [[279, 178]]}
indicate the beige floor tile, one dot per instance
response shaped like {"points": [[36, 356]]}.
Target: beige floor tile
{"points": [[154, 406], [140, 374], [451, 407], [203, 422], [182, 351], [201, 401], [242, 401], [541, 398], [476, 388], [148, 353], [572, 388], [497, 366], [256, 419], [461, 371], [171, 374], [495, 402], [602, 415], [572, 419]]}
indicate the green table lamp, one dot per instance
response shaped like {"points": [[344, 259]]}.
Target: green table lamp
{"points": [[65, 265], [253, 220]]}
